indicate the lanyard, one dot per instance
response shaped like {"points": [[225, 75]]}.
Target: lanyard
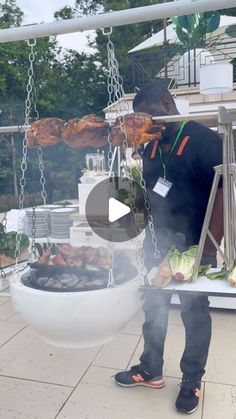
{"points": [[164, 164]]}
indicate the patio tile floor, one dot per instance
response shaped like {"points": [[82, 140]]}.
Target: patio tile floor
{"points": [[38, 381]]}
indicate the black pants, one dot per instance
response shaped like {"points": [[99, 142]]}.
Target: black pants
{"points": [[197, 322], [196, 318]]}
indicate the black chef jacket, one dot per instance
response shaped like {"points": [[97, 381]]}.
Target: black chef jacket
{"points": [[190, 169]]}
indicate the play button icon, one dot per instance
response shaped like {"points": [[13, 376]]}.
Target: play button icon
{"points": [[115, 209]]}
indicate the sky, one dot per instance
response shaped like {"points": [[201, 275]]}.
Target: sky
{"points": [[43, 10]]}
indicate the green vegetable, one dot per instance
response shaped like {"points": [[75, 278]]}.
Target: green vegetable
{"points": [[175, 257], [222, 274], [182, 264], [203, 269], [232, 276]]}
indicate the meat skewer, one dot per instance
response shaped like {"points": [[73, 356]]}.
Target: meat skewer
{"points": [[136, 128], [90, 131], [44, 132]]}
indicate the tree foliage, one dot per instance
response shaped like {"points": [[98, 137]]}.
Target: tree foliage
{"points": [[191, 29], [124, 37]]}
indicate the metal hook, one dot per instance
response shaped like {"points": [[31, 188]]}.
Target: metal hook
{"points": [[2, 272], [31, 42], [109, 31]]}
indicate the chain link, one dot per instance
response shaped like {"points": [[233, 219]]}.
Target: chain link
{"points": [[110, 91], [2, 272], [44, 193], [41, 164], [111, 260], [30, 111], [117, 94], [28, 104], [33, 255], [4, 222]]}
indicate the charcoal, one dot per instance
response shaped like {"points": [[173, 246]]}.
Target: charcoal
{"points": [[98, 283], [57, 285], [83, 283], [61, 279], [42, 281], [73, 282], [50, 282]]}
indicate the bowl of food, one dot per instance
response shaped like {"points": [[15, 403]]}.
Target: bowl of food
{"points": [[74, 306]]}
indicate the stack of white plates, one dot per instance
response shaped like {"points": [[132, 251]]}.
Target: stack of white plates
{"points": [[75, 206], [51, 206], [61, 223], [42, 222]]}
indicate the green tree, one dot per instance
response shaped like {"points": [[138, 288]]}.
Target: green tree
{"points": [[13, 79]]}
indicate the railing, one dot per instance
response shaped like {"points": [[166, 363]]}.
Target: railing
{"points": [[179, 65]]}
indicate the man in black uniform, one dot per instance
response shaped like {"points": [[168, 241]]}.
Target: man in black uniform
{"points": [[178, 171]]}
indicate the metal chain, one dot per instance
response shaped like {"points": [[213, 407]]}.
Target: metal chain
{"points": [[42, 178], [116, 94], [2, 272], [110, 283], [4, 224], [4, 221], [41, 165], [33, 234], [44, 193], [110, 152], [28, 103], [39, 149]]}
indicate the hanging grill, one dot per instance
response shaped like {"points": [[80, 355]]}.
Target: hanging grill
{"points": [[87, 307]]}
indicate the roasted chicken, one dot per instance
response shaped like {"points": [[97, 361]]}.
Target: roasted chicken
{"points": [[89, 131], [45, 132], [92, 131], [81, 256], [136, 128]]}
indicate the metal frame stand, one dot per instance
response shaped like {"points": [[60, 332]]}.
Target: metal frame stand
{"points": [[228, 172]]}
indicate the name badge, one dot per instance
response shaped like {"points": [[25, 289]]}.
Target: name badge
{"points": [[162, 187]]}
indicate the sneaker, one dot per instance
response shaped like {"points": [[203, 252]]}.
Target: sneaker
{"points": [[137, 377], [188, 397]]}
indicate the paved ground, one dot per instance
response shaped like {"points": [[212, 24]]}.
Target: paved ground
{"points": [[38, 381]]}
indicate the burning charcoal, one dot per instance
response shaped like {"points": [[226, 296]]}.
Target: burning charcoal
{"points": [[83, 283], [50, 283], [94, 283], [83, 277], [73, 281], [57, 285], [65, 279], [42, 281], [98, 283], [51, 277]]}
